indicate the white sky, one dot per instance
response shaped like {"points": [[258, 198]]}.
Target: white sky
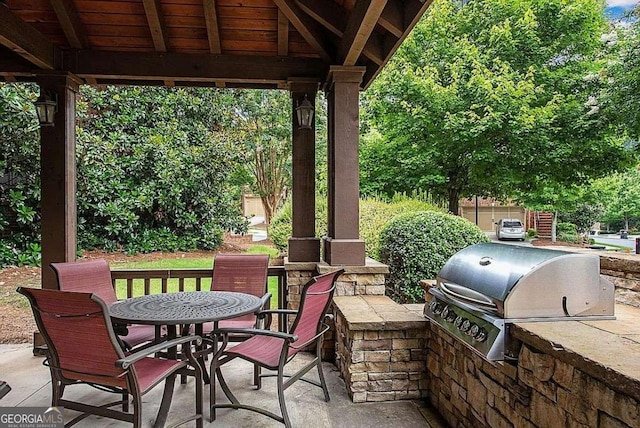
{"points": [[612, 3]]}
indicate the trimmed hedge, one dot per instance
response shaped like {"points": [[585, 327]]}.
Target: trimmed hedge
{"points": [[374, 215], [417, 245]]}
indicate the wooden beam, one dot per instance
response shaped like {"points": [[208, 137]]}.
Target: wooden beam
{"points": [[70, 23], [307, 27], [155, 18], [361, 23], [413, 11], [213, 30], [335, 20], [25, 40], [392, 18], [283, 34], [139, 66]]}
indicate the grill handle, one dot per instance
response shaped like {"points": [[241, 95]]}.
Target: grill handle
{"points": [[466, 295]]}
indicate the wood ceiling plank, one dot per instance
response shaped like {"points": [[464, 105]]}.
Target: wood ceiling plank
{"points": [[135, 66], [213, 30], [362, 21], [25, 40], [70, 23], [155, 18], [307, 27], [283, 34]]}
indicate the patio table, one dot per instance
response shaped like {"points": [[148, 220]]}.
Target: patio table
{"points": [[185, 309]]}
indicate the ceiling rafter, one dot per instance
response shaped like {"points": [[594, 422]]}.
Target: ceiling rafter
{"points": [[283, 34], [25, 40], [362, 22], [70, 22], [335, 20], [213, 29], [392, 18], [155, 18], [310, 30]]}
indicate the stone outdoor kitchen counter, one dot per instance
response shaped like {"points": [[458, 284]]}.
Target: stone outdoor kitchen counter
{"points": [[570, 373]]}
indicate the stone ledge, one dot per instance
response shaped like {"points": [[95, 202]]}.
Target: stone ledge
{"points": [[607, 350], [377, 313]]}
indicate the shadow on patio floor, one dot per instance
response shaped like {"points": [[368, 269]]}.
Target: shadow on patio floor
{"points": [[30, 383]]}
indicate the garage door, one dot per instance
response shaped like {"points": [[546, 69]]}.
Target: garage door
{"points": [[487, 216]]}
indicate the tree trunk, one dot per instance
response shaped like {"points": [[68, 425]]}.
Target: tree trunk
{"points": [[554, 223], [454, 199]]}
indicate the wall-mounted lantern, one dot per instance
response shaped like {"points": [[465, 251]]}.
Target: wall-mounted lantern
{"points": [[304, 112], [46, 107]]}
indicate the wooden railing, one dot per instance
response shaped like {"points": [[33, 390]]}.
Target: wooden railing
{"points": [[138, 282]]}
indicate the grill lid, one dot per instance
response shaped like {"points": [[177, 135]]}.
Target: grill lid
{"points": [[486, 273]]}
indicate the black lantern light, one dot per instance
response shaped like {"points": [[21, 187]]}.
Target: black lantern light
{"points": [[46, 107], [304, 112]]}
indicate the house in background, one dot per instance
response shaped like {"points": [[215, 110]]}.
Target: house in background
{"points": [[252, 207], [485, 212]]}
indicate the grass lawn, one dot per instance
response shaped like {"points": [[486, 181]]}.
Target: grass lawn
{"points": [[185, 263]]}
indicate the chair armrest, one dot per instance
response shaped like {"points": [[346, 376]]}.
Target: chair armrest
{"points": [[125, 362], [258, 332], [311, 340], [265, 301], [279, 311]]}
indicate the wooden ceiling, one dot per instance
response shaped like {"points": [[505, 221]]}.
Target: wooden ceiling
{"points": [[223, 43]]}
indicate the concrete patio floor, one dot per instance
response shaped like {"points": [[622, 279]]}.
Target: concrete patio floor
{"points": [[31, 386]]}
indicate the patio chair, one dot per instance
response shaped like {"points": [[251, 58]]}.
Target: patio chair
{"points": [[82, 348], [273, 350], [243, 273], [94, 276]]}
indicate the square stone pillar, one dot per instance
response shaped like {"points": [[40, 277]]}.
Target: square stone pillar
{"points": [[58, 175], [342, 245], [303, 245]]}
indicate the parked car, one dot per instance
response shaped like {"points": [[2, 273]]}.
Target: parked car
{"points": [[510, 228]]}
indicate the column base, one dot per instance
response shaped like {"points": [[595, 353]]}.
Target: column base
{"points": [[304, 249], [344, 251]]}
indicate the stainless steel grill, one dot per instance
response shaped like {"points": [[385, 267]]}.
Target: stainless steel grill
{"points": [[485, 288]]}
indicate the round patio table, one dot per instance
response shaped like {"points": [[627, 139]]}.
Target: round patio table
{"points": [[190, 307], [184, 309]]}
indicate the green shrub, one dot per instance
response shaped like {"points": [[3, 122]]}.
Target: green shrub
{"points": [[417, 245], [532, 233], [374, 214], [571, 238], [280, 228], [568, 228]]}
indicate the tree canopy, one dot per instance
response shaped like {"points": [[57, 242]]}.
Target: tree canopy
{"points": [[491, 98]]}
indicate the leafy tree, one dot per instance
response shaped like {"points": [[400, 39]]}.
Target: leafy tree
{"points": [[153, 169], [584, 216], [622, 97], [621, 196], [262, 126], [19, 175], [490, 98]]}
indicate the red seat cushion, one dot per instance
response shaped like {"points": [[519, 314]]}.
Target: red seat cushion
{"points": [[151, 371], [264, 350]]}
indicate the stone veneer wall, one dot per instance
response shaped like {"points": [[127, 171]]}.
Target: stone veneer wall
{"points": [[357, 280], [380, 349], [542, 390], [624, 273]]}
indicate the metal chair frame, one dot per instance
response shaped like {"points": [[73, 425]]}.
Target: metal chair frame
{"points": [[287, 353], [62, 375]]}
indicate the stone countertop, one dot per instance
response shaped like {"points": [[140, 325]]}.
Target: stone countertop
{"points": [[368, 312], [608, 350]]}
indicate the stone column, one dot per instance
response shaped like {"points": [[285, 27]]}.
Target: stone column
{"points": [[58, 176], [343, 245], [303, 245]]}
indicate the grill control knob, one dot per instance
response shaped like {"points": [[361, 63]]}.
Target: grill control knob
{"points": [[437, 308], [458, 321], [451, 316], [474, 330], [432, 306], [465, 326], [481, 335], [445, 312]]}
